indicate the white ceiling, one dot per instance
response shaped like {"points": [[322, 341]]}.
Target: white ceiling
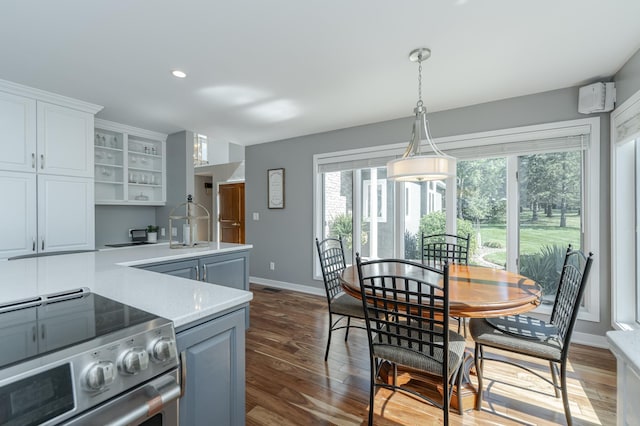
{"points": [[263, 70]]}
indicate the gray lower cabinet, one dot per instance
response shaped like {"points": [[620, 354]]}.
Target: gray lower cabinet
{"points": [[230, 270], [181, 268], [213, 361], [227, 269]]}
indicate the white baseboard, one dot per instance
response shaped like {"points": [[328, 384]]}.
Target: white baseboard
{"points": [[590, 340], [288, 286]]}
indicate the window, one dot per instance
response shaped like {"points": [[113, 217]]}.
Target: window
{"points": [[375, 201], [523, 195], [546, 199], [200, 150], [625, 214]]}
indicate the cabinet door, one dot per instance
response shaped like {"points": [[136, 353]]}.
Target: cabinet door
{"points": [[109, 166], [184, 268], [65, 141], [18, 130], [65, 213], [146, 166], [17, 214], [213, 356], [229, 270]]}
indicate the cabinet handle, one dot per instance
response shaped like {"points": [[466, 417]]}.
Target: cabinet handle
{"points": [[197, 273], [42, 331], [42, 161], [33, 333], [204, 272], [183, 372], [33, 244], [33, 160], [43, 244]]}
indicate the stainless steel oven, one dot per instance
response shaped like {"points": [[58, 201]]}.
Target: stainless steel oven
{"points": [[152, 404], [78, 358]]}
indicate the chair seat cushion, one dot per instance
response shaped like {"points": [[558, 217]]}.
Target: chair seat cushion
{"points": [[347, 305], [518, 333], [413, 358]]}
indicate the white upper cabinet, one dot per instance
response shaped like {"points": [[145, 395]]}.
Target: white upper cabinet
{"points": [[46, 172], [64, 136], [18, 133], [130, 165]]}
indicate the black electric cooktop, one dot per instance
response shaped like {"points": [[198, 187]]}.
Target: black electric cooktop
{"points": [[60, 322]]}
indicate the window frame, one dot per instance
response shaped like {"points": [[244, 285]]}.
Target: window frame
{"points": [[472, 145], [625, 283]]}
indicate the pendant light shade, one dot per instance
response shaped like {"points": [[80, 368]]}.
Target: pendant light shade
{"points": [[414, 166], [419, 168]]}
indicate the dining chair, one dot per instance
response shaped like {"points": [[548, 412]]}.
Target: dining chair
{"points": [[530, 336], [406, 307], [436, 248], [342, 305]]}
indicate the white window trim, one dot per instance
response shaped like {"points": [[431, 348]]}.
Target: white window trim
{"points": [[382, 184], [623, 207], [591, 198]]}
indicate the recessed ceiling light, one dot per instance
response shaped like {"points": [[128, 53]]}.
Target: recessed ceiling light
{"points": [[178, 73]]}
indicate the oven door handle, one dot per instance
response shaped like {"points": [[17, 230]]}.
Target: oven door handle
{"points": [[158, 393], [136, 406]]}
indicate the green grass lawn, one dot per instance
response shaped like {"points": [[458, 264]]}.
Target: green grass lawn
{"points": [[533, 235]]}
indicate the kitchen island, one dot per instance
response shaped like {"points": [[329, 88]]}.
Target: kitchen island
{"points": [[209, 319]]}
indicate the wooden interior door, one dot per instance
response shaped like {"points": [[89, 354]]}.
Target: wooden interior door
{"points": [[231, 212]]}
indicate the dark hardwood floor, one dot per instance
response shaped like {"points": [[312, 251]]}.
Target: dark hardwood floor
{"points": [[288, 382]]}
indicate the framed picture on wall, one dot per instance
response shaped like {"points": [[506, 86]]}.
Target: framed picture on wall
{"points": [[275, 180]]}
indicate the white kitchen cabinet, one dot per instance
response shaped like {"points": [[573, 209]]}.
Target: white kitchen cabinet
{"points": [[45, 213], [66, 216], [64, 141], [18, 213], [18, 130], [46, 172], [130, 165], [44, 137]]}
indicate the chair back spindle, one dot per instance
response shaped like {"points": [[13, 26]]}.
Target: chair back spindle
{"points": [[436, 248], [332, 263], [572, 284]]}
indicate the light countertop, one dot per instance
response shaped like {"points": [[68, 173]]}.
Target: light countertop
{"points": [[109, 273], [626, 344]]}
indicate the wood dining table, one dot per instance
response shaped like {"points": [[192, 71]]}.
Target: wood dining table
{"points": [[474, 292]]}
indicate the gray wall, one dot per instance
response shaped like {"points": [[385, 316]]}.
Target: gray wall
{"points": [[180, 177], [113, 222], [628, 79], [286, 236]]}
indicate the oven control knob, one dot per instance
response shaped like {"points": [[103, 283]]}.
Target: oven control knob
{"points": [[163, 349], [134, 361], [100, 375]]}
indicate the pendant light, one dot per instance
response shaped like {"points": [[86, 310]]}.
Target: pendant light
{"points": [[414, 166]]}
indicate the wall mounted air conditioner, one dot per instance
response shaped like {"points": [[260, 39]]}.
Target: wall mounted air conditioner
{"points": [[596, 97]]}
